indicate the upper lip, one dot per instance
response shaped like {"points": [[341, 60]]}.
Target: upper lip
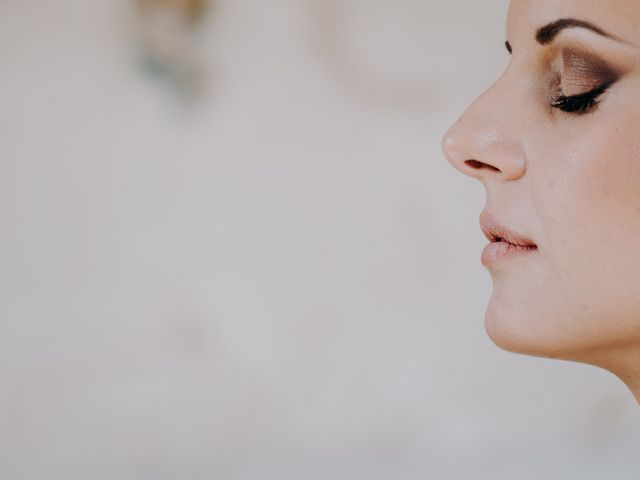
{"points": [[496, 232]]}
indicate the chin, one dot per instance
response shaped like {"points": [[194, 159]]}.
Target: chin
{"points": [[520, 326], [515, 328], [505, 329]]}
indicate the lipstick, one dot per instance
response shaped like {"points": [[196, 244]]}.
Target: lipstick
{"points": [[505, 243]]}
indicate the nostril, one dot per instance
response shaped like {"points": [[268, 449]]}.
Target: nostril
{"points": [[476, 165]]}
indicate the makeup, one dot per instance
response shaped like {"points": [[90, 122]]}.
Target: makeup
{"points": [[581, 73], [503, 250], [505, 243]]}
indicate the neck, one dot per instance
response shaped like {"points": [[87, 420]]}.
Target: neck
{"points": [[624, 363], [631, 378]]}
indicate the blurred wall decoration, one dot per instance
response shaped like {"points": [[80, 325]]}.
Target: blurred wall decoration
{"points": [[352, 39], [168, 32]]}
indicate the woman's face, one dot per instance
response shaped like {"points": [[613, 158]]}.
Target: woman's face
{"points": [[556, 144]]}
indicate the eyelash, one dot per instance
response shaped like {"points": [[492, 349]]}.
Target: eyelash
{"points": [[582, 103]]}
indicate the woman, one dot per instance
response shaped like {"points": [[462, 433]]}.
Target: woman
{"points": [[556, 143]]}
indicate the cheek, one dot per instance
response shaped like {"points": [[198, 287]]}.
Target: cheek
{"points": [[588, 199], [589, 192]]}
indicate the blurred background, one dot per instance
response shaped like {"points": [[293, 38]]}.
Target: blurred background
{"points": [[232, 249]]}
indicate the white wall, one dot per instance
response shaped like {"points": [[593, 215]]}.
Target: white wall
{"points": [[278, 280]]}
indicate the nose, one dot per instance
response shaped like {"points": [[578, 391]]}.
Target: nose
{"points": [[486, 143]]}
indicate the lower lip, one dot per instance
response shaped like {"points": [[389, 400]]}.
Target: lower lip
{"points": [[499, 251]]}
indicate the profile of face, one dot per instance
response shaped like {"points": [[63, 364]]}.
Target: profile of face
{"points": [[555, 141]]}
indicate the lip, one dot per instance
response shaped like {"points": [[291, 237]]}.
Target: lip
{"points": [[505, 243]]}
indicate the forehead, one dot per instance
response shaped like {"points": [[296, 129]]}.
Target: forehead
{"points": [[620, 18]]}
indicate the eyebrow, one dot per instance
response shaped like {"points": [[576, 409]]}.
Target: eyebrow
{"points": [[546, 34]]}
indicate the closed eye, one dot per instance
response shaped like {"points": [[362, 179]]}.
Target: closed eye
{"points": [[581, 103]]}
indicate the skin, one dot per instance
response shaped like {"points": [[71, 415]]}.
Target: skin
{"points": [[568, 181]]}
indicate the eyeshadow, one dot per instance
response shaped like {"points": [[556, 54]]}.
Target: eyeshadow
{"points": [[582, 72]]}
